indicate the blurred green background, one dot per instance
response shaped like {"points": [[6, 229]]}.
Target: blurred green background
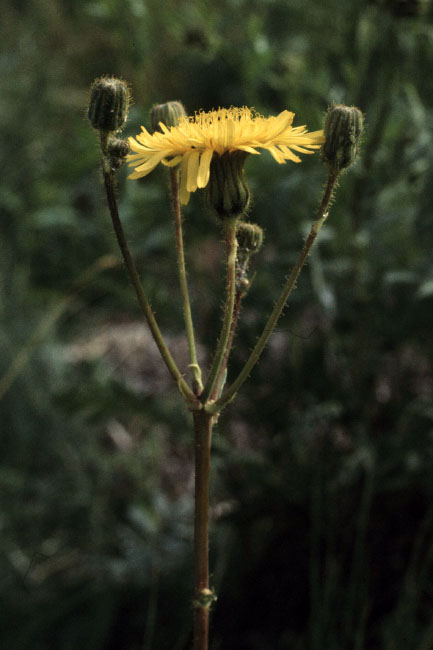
{"points": [[322, 492]]}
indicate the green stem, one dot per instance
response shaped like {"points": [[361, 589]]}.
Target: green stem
{"points": [[322, 213], [232, 245], [220, 379], [144, 304], [195, 368], [203, 596]]}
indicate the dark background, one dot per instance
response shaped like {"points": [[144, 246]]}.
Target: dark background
{"points": [[322, 493]]}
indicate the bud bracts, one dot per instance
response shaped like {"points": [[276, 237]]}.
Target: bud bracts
{"points": [[343, 128], [169, 114], [227, 191], [109, 103]]}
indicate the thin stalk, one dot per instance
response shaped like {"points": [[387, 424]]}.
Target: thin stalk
{"points": [[322, 213], [203, 596], [236, 310], [144, 304], [195, 368], [232, 245]]}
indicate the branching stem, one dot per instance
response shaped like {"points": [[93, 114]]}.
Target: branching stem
{"points": [[236, 310], [322, 213], [195, 368], [135, 279], [232, 245]]}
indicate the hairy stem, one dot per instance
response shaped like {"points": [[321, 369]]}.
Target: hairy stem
{"points": [[135, 279], [195, 368], [232, 245], [322, 213], [220, 379], [203, 596]]}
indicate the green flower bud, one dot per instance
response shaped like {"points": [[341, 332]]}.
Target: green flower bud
{"points": [[250, 238], [343, 128], [169, 114], [117, 150], [227, 191], [109, 102]]}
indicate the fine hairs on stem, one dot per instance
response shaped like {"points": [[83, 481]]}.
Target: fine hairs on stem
{"points": [[209, 151]]}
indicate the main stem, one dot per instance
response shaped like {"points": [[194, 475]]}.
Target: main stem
{"points": [[203, 597]]}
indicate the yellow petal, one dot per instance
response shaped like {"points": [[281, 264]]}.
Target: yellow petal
{"points": [[246, 148], [193, 163], [276, 154], [135, 175], [133, 156], [171, 163], [183, 193], [296, 147], [204, 169], [150, 164], [288, 153]]}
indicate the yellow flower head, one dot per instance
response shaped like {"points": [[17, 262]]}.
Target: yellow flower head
{"points": [[194, 141]]}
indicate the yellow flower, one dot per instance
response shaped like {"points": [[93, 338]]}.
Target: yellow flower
{"points": [[194, 141]]}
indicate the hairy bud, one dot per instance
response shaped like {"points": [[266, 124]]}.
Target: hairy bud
{"points": [[117, 151], [109, 103], [169, 114], [343, 128], [250, 238], [227, 191]]}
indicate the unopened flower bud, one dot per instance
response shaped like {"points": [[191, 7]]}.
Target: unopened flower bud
{"points": [[169, 114], [227, 191], [117, 150], [343, 128], [250, 238], [109, 102]]}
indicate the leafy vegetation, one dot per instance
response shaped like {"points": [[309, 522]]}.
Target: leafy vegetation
{"points": [[322, 494]]}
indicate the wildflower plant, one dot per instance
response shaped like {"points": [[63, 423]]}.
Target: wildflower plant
{"points": [[208, 151]]}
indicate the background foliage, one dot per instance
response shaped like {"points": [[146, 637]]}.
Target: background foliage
{"points": [[322, 535]]}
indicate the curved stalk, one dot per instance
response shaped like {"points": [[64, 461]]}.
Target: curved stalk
{"points": [[195, 368], [232, 245], [322, 213], [135, 279]]}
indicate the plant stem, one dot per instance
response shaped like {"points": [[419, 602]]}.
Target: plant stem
{"points": [[135, 279], [322, 213], [232, 245], [203, 597], [237, 307], [195, 368]]}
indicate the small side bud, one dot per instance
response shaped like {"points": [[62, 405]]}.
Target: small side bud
{"points": [[117, 151], [343, 128], [227, 191], [109, 103], [250, 238], [169, 114]]}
